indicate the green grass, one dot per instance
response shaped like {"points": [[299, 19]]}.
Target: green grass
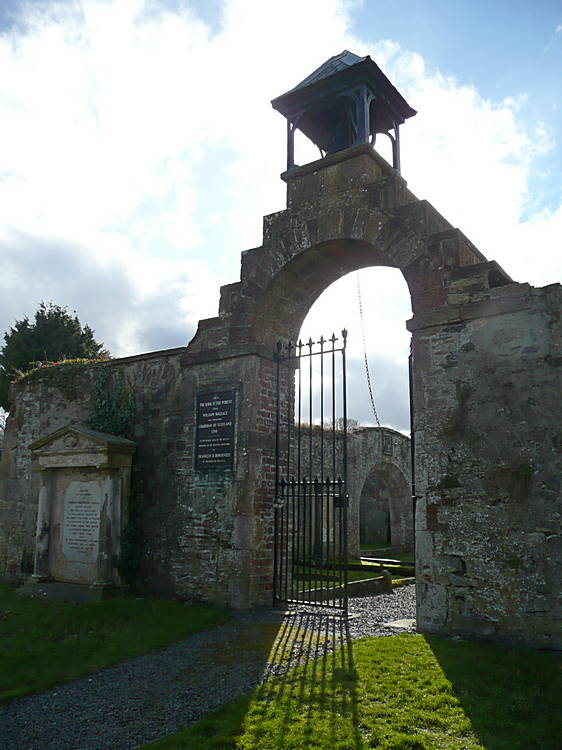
{"points": [[406, 692], [45, 643]]}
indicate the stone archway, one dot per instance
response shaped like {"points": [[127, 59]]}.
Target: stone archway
{"points": [[486, 364], [344, 212], [379, 483], [351, 210], [385, 509], [347, 211]]}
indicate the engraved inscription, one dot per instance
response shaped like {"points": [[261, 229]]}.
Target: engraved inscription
{"points": [[215, 430], [81, 522]]}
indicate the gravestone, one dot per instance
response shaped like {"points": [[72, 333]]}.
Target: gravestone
{"points": [[85, 483]]}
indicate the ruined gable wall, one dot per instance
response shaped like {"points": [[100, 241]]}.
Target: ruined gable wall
{"points": [[487, 391], [387, 451], [368, 448]]}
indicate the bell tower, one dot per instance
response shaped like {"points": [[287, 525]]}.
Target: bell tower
{"points": [[348, 100]]}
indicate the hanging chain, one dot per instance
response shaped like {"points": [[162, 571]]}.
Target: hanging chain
{"points": [[365, 352]]}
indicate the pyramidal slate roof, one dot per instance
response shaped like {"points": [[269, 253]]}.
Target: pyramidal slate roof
{"points": [[336, 63]]}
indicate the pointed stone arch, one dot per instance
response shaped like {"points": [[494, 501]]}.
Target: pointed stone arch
{"points": [[385, 509], [380, 474]]}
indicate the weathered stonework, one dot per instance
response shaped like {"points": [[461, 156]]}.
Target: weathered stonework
{"points": [[379, 469], [486, 386], [380, 481], [82, 505], [489, 471]]}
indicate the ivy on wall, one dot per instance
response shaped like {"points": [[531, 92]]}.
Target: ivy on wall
{"points": [[132, 537], [113, 411]]}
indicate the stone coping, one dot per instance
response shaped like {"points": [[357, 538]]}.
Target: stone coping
{"points": [[338, 157]]}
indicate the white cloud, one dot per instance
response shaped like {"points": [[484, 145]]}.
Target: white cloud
{"points": [[135, 303], [139, 153], [107, 112], [472, 158]]}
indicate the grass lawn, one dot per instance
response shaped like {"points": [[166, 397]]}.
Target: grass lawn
{"points": [[45, 643], [407, 692]]}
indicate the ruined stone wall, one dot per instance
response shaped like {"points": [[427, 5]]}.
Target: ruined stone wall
{"points": [[383, 454], [486, 393], [53, 398], [489, 465], [371, 451], [207, 534]]}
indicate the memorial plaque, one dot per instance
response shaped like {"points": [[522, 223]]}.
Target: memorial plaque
{"points": [[81, 525], [214, 447]]}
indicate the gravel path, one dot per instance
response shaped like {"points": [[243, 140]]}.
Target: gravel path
{"points": [[146, 698]]}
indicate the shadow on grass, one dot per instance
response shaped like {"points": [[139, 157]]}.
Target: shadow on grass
{"points": [[513, 697], [323, 689], [406, 692], [314, 704]]}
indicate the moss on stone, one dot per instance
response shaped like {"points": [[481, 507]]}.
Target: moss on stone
{"points": [[63, 375]]}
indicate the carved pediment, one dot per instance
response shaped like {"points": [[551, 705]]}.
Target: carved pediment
{"points": [[79, 445]]}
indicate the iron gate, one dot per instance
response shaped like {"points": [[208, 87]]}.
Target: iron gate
{"points": [[310, 563]]}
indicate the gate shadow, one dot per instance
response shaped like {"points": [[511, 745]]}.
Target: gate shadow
{"points": [[312, 662]]}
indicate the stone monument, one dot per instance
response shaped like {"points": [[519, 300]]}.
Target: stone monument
{"points": [[85, 483]]}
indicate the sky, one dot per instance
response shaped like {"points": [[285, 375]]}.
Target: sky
{"points": [[139, 152]]}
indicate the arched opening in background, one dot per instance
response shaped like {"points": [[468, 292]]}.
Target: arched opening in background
{"points": [[385, 510]]}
